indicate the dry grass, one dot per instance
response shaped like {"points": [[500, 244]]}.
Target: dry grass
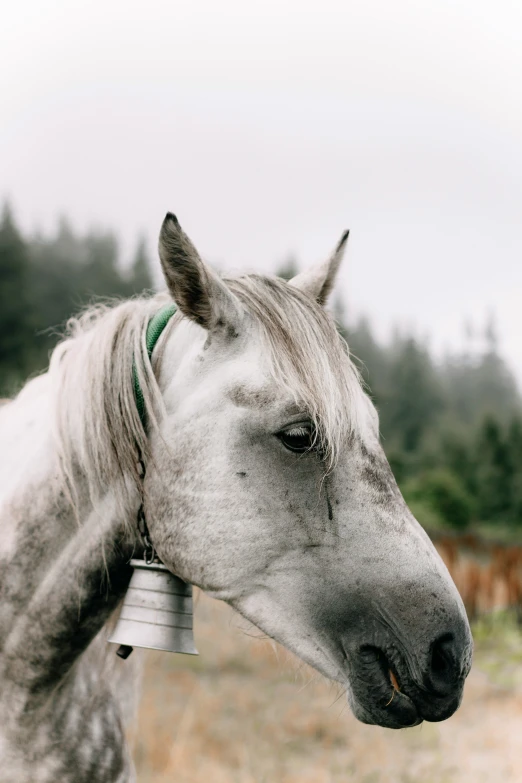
{"points": [[488, 575], [246, 712]]}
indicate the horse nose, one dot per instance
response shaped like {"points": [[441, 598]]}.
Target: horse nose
{"points": [[447, 664]]}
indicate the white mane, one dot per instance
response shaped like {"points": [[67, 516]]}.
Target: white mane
{"points": [[98, 428]]}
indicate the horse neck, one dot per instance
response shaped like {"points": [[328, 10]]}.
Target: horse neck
{"points": [[43, 434], [64, 566], [36, 519], [61, 573]]}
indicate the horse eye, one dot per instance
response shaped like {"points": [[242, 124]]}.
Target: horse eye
{"points": [[299, 438]]}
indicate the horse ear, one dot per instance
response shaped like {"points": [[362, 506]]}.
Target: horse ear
{"points": [[318, 281], [197, 290]]}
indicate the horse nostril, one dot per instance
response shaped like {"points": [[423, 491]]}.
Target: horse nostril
{"points": [[442, 656], [444, 663]]}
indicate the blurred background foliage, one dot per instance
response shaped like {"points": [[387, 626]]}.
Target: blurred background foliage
{"points": [[451, 426], [46, 279]]}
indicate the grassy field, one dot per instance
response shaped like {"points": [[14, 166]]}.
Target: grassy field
{"points": [[245, 711]]}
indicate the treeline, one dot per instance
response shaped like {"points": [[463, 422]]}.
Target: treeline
{"points": [[452, 428], [45, 279]]}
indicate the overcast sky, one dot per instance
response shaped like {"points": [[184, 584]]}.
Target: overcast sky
{"points": [[270, 127]]}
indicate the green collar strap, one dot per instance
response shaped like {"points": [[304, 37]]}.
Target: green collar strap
{"points": [[155, 329]]}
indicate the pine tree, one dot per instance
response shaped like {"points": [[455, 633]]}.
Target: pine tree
{"points": [[16, 323], [140, 277], [372, 360], [494, 472], [101, 275], [514, 444], [415, 398]]}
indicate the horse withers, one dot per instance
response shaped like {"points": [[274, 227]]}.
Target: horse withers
{"points": [[265, 485]]}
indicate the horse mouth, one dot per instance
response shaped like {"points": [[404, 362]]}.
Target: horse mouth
{"points": [[376, 696], [382, 693]]}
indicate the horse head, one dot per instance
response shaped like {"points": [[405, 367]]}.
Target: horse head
{"points": [[269, 489]]}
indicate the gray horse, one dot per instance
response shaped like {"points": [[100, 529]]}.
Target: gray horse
{"points": [[266, 486]]}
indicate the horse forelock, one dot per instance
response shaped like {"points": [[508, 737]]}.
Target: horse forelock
{"points": [[308, 356]]}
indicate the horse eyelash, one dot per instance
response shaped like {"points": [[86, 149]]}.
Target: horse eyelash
{"points": [[300, 430]]}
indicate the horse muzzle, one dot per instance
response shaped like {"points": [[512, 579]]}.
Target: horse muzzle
{"points": [[384, 691]]}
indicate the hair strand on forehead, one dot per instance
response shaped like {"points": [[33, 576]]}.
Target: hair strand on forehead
{"points": [[308, 357]]}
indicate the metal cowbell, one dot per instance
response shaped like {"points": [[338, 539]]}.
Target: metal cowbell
{"points": [[156, 612]]}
